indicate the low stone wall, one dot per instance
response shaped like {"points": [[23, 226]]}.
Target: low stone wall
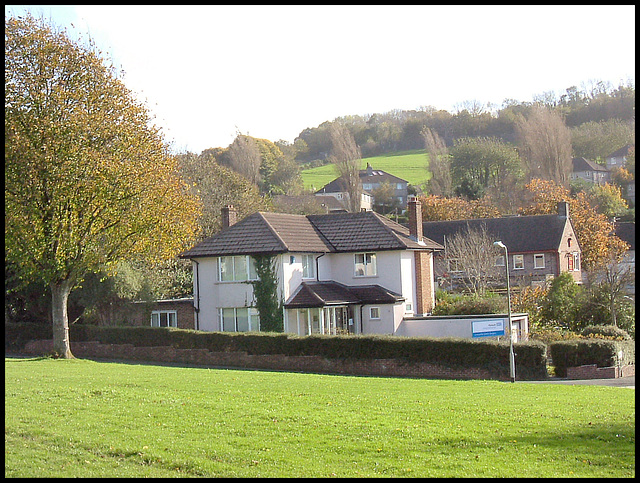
{"points": [[591, 371], [312, 364]]}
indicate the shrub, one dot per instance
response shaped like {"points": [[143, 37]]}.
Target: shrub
{"points": [[458, 304], [611, 331], [603, 353]]}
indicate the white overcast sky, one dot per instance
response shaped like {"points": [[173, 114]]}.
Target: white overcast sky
{"points": [[269, 71]]}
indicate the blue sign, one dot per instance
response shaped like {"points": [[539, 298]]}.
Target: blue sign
{"points": [[487, 328]]}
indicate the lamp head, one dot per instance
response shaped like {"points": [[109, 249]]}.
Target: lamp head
{"points": [[499, 244]]}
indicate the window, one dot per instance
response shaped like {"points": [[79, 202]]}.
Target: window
{"points": [[239, 319], [518, 262], [573, 260], [164, 318], [538, 260], [374, 312], [367, 186], [365, 265], [399, 186], [236, 269], [308, 266], [454, 265], [500, 261]]}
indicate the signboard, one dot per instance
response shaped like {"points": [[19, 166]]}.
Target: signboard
{"points": [[488, 328]]}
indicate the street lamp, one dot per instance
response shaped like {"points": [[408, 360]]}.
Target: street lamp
{"points": [[512, 361]]}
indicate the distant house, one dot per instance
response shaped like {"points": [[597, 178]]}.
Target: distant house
{"points": [[618, 158], [589, 171], [540, 247], [370, 180], [351, 273], [626, 231]]}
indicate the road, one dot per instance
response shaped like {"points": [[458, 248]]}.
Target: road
{"points": [[627, 382]]}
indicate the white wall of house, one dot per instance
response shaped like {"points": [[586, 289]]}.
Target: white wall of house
{"points": [[395, 271]]}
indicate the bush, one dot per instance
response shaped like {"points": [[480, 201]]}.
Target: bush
{"points": [[610, 331], [603, 353], [459, 304], [452, 352]]}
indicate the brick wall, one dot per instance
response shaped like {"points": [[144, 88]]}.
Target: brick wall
{"points": [[311, 364]]}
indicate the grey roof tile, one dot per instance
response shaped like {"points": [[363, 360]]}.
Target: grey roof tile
{"points": [[281, 233]]}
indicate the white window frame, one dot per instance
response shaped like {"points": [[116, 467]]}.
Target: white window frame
{"points": [[171, 318], [365, 268], [252, 315], [536, 259], [454, 266], [249, 272], [308, 266], [518, 262], [499, 261], [371, 313]]}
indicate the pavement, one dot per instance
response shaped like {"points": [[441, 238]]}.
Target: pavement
{"points": [[626, 382]]}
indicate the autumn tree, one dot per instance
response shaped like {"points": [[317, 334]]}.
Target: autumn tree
{"points": [[440, 182], [440, 208], [545, 144], [88, 178], [346, 157], [217, 186], [244, 157]]}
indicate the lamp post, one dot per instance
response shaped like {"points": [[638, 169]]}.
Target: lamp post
{"points": [[512, 361]]}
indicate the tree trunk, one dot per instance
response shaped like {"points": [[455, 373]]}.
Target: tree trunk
{"points": [[59, 298]]}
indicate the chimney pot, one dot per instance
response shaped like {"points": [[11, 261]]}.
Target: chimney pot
{"points": [[563, 208], [229, 216], [415, 218]]}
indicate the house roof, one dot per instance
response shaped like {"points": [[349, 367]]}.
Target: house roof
{"points": [[320, 294], [368, 175], [583, 164], [626, 231], [518, 233], [262, 233], [623, 151]]}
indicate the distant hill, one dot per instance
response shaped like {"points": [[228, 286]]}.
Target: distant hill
{"points": [[409, 165]]}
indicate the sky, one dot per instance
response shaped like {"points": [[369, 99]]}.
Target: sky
{"points": [[208, 73]]}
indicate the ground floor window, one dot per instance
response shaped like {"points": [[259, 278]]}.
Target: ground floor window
{"points": [[327, 320], [164, 318], [239, 319]]}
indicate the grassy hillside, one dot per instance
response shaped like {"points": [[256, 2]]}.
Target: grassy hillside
{"points": [[409, 165]]}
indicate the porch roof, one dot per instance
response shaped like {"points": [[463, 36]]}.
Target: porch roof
{"points": [[320, 294]]}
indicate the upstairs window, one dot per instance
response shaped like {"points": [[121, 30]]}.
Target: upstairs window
{"points": [[308, 266], [538, 260], [238, 268], [518, 262], [365, 265]]}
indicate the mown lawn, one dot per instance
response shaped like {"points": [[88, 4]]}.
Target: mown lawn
{"points": [[79, 418], [409, 165]]}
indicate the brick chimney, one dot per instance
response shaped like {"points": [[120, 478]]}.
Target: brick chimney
{"points": [[229, 216], [415, 218], [563, 209], [425, 295]]}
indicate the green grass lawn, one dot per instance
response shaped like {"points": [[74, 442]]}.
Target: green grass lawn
{"points": [[79, 418], [409, 165]]}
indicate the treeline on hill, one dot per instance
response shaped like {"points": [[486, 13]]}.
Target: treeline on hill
{"points": [[400, 130]]}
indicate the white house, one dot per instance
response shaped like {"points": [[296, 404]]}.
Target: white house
{"points": [[357, 273]]}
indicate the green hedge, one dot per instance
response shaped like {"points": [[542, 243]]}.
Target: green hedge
{"points": [[603, 353], [451, 352]]}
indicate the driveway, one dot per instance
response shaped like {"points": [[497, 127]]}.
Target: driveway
{"points": [[627, 382]]}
